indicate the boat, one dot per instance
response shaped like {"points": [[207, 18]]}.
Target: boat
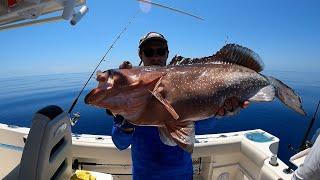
{"points": [[20, 13], [50, 150]]}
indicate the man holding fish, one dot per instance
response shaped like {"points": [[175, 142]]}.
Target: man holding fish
{"points": [[152, 159], [163, 102]]}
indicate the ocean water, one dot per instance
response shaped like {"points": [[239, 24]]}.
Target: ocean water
{"points": [[21, 97]]}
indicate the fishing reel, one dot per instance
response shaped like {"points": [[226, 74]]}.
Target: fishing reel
{"points": [[75, 118]]}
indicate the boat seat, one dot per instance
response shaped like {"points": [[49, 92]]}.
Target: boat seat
{"points": [[47, 153]]}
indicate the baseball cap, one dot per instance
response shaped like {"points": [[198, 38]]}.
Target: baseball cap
{"points": [[152, 36]]}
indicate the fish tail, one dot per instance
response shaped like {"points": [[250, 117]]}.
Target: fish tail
{"points": [[287, 95]]}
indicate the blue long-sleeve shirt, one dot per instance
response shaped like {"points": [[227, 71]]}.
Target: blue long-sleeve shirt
{"points": [[151, 159]]}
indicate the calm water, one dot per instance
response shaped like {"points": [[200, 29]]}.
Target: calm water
{"points": [[21, 97]]}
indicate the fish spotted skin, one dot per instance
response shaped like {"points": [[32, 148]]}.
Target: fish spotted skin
{"points": [[174, 96]]}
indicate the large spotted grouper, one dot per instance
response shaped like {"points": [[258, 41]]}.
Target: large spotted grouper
{"points": [[187, 90]]}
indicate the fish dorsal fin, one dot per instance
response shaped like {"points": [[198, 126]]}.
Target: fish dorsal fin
{"points": [[228, 54], [180, 60], [236, 54]]}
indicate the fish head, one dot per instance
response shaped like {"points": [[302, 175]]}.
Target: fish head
{"points": [[123, 91], [110, 84]]}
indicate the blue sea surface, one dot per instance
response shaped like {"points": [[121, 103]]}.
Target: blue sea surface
{"points": [[21, 97]]}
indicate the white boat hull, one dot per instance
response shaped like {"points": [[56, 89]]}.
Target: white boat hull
{"points": [[214, 156]]}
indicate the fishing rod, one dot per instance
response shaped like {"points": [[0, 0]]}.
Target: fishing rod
{"points": [[305, 143], [102, 59]]}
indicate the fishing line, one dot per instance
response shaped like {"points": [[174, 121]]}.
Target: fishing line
{"points": [[103, 58], [170, 8]]}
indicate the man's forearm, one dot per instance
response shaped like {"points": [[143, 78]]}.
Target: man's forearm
{"points": [[121, 139]]}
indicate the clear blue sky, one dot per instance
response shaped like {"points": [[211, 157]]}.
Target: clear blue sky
{"points": [[286, 34]]}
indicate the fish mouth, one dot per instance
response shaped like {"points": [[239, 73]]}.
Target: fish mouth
{"points": [[92, 96], [105, 85], [98, 95]]}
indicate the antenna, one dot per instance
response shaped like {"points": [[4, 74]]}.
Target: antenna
{"points": [[226, 41]]}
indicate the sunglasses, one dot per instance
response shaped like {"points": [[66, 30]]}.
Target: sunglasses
{"points": [[150, 52]]}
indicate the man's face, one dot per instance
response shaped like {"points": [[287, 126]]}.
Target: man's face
{"points": [[154, 53]]}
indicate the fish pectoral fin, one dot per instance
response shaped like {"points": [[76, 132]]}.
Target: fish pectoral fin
{"points": [[157, 84], [165, 136], [182, 134], [153, 83], [166, 104], [267, 93]]}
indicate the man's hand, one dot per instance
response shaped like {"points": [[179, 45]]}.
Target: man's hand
{"points": [[125, 65], [231, 106], [120, 122]]}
